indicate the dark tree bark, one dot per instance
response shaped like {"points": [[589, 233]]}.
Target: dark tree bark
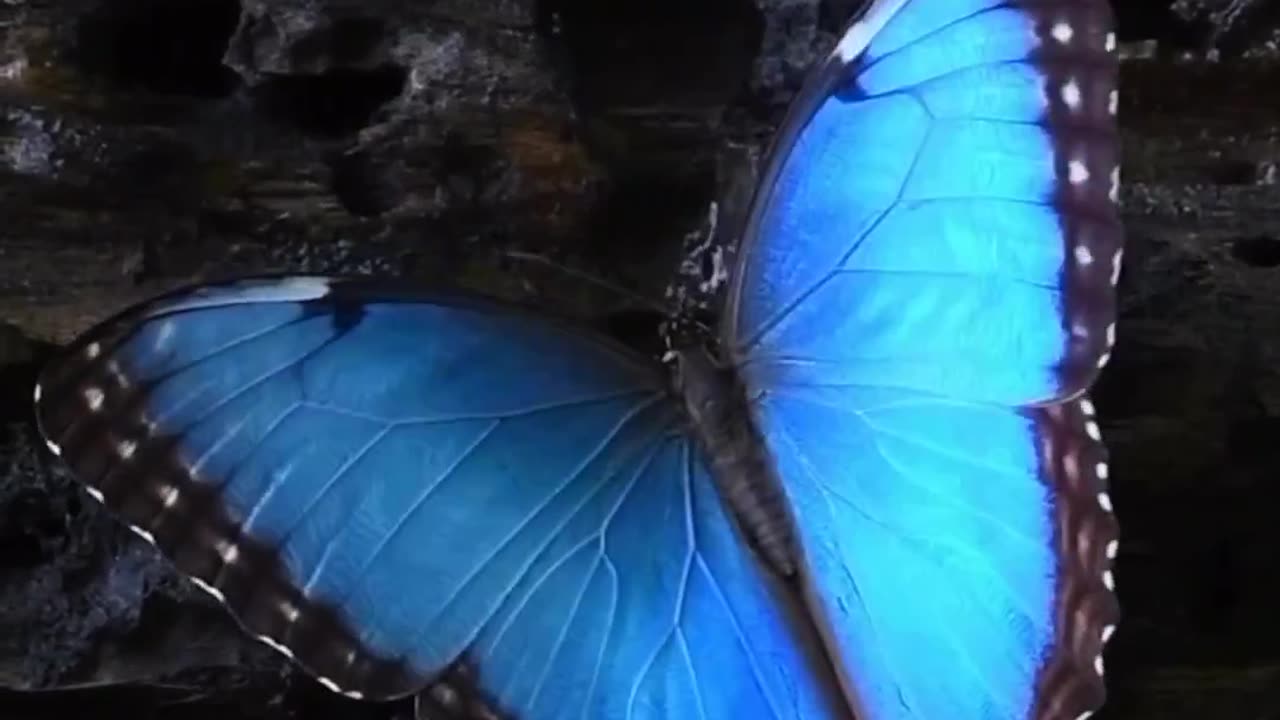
{"points": [[147, 143]]}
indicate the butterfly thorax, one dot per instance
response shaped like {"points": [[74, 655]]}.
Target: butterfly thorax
{"points": [[718, 411]]}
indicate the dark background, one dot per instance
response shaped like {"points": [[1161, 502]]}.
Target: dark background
{"points": [[149, 143]]}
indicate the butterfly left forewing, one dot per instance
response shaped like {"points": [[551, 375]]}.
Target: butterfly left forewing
{"points": [[402, 490]]}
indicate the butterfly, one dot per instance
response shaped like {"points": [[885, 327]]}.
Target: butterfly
{"points": [[878, 494]]}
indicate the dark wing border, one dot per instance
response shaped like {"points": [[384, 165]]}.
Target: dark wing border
{"points": [[1073, 463]]}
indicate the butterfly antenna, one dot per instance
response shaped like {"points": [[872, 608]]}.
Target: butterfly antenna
{"points": [[650, 303]]}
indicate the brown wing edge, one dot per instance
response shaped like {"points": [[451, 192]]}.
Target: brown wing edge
{"points": [[455, 695], [1074, 463], [1077, 53]]}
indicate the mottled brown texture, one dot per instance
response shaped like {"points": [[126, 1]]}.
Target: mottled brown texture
{"points": [[1086, 134], [1069, 682]]}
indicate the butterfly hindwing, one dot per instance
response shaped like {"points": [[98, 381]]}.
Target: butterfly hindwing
{"points": [[960, 552], [939, 203], [401, 490]]}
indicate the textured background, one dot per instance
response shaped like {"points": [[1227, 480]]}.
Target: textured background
{"points": [[148, 143]]}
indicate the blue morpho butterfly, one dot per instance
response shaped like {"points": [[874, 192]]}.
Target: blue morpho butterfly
{"points": [[879, 495]]}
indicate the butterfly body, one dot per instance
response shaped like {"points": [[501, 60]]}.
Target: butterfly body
{"points": [[718, 414], [881, 494]]}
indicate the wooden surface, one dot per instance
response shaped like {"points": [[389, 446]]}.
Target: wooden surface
{"points": [[429, 139]]}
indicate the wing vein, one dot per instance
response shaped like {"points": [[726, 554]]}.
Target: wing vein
{"points": [[528, 518], [785, 311], [495, 415], [413, 508], [925, 37], [823, 489], [337, 476]]}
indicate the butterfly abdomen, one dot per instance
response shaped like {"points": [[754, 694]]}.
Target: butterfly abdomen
{"points": [[717, 408]]}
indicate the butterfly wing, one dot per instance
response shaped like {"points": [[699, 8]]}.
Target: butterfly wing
{"points": [[933, 251], [397, 490], [948, 180], [959, 552]]}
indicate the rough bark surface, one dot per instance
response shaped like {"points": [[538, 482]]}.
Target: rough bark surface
{"points": [[148, 143]]}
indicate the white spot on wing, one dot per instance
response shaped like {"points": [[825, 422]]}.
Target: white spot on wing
{"points": [[1115, 267], [53, 448], [1086, 407], [36, 393], [1113, 548], [1101, 470], [1091, 429], [1113, 102], [1071, 465], [126, 449], [329, 684], [93, 398], [1104, 501], [143, 534], [1063, 32], [1111, 42], [92, 350], [169, 495], [1114, 192], [1109, 580], [1077, 172], [278, 647], [853, 43], [860, 34], [1083, 255], [1071, 94], [95, 493], [1107, 632], [1098, 666], [215, 592], [1085, 715], [227, 551]]}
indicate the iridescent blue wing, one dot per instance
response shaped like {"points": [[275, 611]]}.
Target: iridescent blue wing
{"points": [[933, 252], [940, 203], [959, 552], [398, 490]]}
